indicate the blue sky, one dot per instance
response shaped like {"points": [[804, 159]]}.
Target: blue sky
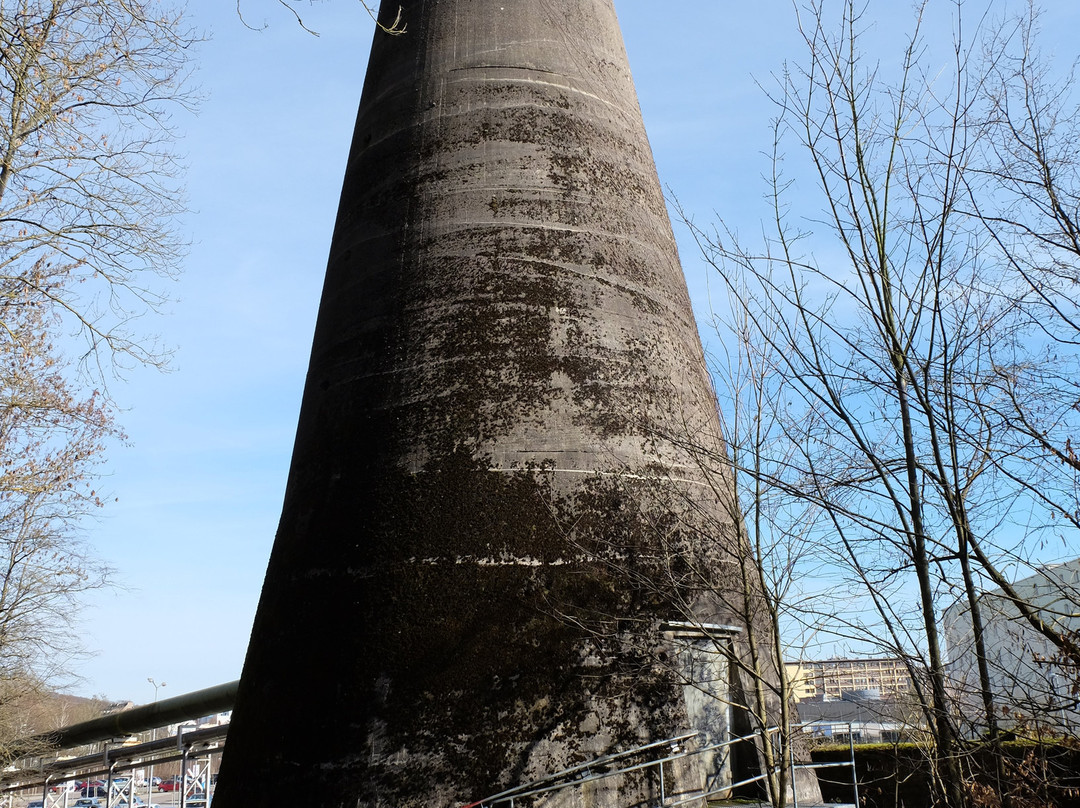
{"points": [[199, 485]]}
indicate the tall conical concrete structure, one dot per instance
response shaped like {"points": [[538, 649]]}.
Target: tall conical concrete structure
{"points": [[490, 518]]}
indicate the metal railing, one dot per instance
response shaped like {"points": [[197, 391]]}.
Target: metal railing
{"points": [[582, 773], [39, 765], [815, 766]]}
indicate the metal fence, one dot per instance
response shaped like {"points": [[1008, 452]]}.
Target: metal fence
{"points": [[107, 748]]}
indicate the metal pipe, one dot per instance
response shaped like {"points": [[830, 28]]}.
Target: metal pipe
{"points": [[200, 703]]}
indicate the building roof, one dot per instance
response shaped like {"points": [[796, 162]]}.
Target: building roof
{"points": [[875, 711]]}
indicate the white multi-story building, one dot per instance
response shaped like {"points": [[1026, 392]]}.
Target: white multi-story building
{"points": [[1027, 678], [833, 679]]}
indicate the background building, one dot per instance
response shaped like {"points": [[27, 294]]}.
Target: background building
{"points": [[1028, 681], [858, 720], [833, 679]]}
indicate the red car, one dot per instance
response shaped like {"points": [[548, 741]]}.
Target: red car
{"points": [[170, 785]]}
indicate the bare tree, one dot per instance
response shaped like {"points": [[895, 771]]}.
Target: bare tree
{"points": [[52, 441], [897, 322], [778, 554], [89, 190], [88, 173], [749, 478], [395, 27]]}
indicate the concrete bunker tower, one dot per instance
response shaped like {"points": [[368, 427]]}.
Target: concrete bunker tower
{"points": [[491, 522]]}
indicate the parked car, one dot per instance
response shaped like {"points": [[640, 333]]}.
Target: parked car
{"points": [[89, 802], [36, 804], [94, 791], [168, 783]]}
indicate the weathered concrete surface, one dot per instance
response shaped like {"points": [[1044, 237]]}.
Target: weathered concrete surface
{"points": [[486, 519]]}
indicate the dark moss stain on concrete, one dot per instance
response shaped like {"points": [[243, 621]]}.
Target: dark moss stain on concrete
{"points": [[487, 592]]}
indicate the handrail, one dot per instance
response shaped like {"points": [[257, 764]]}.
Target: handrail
{"points": [[535, 787], [548, 783], [850, 762], [502, 796]]}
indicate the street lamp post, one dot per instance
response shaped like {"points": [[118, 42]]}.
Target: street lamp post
{"points": [[153, 737]]}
